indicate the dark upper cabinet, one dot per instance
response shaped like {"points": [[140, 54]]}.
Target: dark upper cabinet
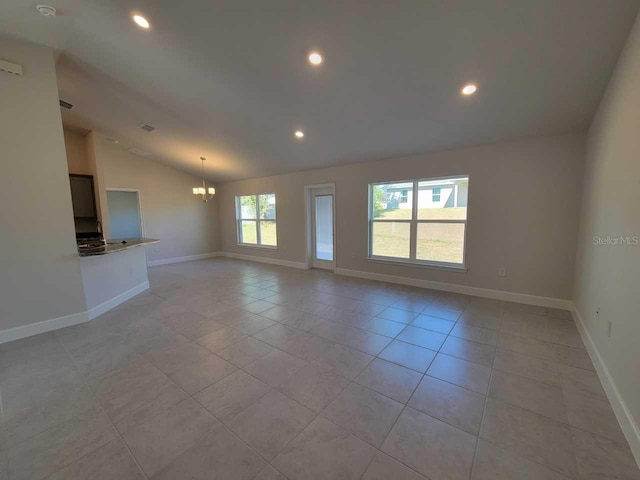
{"points": [[83, 196]]}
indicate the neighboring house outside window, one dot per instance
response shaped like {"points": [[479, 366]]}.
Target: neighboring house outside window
{"points": [[256, 219], [429, 230]]}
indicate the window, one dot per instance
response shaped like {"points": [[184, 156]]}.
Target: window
{"points": [[256, 217], [428, 231], [404, 196]]}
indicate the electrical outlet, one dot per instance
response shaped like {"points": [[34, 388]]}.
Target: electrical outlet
{"points": [[502, 272]]}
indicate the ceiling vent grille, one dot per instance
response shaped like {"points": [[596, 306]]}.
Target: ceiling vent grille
{"points": [[66, 105], [9, 67], [138, 151], [147, 127]]}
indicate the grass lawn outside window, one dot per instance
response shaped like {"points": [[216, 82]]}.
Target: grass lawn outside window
{"points": [[256, 220], [422, 229]]}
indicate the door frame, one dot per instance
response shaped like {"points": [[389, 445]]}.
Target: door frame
{"points": [[308, 197], [107, 228]]}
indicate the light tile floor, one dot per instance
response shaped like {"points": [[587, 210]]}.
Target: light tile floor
{"points": [[234, 370]]}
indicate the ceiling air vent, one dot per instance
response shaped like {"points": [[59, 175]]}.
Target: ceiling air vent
{"points": [[66, 105], [138, 151], [10, 67], [146, 127]]}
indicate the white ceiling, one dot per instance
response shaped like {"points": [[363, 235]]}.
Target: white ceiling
{"points": [[228, 79]]}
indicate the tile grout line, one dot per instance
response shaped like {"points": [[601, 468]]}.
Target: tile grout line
{"points": [[479, 437], [224, 425], [99, 404], [220, 422], [405, 406], [353, 381], [317, 414], [423, 374], [484, 410], [377, 356], [535, 462]]}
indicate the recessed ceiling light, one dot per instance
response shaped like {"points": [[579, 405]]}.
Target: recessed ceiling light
{"points": [[469, 89], [315, 58], [299, 134], [141, 21]]}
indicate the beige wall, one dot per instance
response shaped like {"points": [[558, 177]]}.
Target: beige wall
{"points": [[39, 265], [523, 208], [170, 212], [607, 276], [76, 147]]}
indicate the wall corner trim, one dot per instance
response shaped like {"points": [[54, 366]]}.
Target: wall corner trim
{"points": [[625, 419], [272, 261], [463, 289], [188, 258]]}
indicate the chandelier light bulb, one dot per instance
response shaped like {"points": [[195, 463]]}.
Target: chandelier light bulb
{"points": [[205, 193]]}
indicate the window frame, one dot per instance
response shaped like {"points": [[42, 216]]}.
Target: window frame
{"points": [[256, 220], [413, 230]]}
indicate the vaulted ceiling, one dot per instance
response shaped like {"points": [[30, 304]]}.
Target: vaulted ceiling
{"points": [[229, 79]]}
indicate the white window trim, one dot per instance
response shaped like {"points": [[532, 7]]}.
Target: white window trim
{"points": [[413, 232], [239, 221]]}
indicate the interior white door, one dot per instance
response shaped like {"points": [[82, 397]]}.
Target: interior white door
{"points": [[322, 226]]}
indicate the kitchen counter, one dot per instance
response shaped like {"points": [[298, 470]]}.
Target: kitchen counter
{"points": [[116, 245]]}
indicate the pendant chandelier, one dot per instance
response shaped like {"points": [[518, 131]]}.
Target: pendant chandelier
{"points": [[203, 192]]}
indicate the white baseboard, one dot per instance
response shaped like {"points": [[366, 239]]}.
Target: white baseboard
{"points": [[188, 258], [115, 301], [272, 261], [550, 302], [42, 327], [463, 289], [624, 416], [61, 322]]}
